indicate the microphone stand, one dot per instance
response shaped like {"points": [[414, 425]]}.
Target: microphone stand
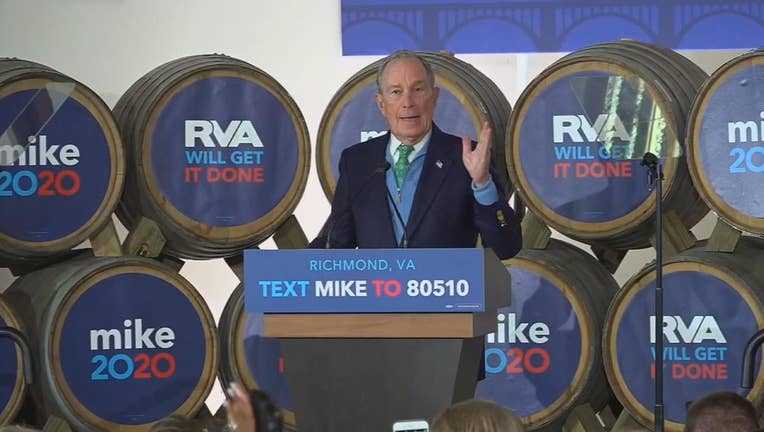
{"points": [[404, 243], [749, 359], [655, 179]]}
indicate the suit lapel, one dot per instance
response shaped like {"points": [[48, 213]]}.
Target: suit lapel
{"points": [[437, 163], [376, 193]]}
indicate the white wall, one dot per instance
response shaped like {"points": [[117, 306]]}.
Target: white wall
{"points": [[109, 44]]}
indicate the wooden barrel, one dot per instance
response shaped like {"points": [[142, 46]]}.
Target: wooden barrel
{"points": [[61, 161], [12, 383], [467, 99], [725, 135], [120, 343], [251, 359], [218, 154], [580, 129], [544, 358], [713, 303]]}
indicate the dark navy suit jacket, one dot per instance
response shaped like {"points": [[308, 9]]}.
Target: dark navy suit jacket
{"points": [[444, 214]]}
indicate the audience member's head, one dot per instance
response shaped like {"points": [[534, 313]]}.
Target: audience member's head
{"points": [[721, 411], [476, 416]]}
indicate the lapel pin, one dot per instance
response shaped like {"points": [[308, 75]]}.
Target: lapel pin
{"points": [[439, 164], [501, 218]]}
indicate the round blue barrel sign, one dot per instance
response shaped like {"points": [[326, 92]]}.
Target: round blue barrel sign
{"points": [[133, 349], [707, 321], [580, 144], [537, 352], [57, 165], [224, 152], [726, 152]]}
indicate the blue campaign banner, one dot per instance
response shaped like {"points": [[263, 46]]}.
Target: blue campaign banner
{"points": [[729, 144], [706, 326], [132, 349], [350, 281], [224, 151], [580, 152], [55, 164], [373, 27]]}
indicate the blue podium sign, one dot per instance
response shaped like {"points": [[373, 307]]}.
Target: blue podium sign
{"points": [[364, 280]]}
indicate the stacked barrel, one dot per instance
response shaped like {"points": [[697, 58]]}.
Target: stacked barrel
{"points": [[575, 142], [218, 155], [713, 303], [62, 162], [467, 98], [712, 292], [578, 134], [725, 151], [543, 360], [713, 296], [120, 342]]}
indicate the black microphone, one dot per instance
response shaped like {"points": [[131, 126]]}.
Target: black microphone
{"points": [[651, 162], [405, 241], [333, 220]]}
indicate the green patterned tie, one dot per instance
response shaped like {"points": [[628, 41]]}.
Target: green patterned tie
{"points": [[402, 164]]}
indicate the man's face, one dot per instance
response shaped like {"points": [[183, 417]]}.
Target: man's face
{"points": [[407, 100]]}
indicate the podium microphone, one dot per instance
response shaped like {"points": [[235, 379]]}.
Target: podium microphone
{"points": [[405, 240], [379, 170]]}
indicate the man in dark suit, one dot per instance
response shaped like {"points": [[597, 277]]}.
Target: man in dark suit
{"points": [[440, 184]]}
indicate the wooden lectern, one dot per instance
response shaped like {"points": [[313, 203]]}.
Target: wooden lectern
{"points": [[363, 371]]}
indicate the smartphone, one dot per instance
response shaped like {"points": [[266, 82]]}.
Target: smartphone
{"points": [[411, 426]]}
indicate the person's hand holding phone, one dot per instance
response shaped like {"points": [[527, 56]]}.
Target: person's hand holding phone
{"points": [[411, 426], [239, 409]]}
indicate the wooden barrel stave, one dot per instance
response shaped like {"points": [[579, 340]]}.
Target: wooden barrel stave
{"points": [[17, 384]]}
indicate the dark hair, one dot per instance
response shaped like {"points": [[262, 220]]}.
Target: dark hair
{"points": [[722, 411], [404, 54], [268, 417]]}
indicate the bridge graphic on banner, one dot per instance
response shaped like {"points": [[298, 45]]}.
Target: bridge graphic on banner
{"points": [[380, 26]]}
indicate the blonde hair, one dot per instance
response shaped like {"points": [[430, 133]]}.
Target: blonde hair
{"points": [[476, 415]]}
